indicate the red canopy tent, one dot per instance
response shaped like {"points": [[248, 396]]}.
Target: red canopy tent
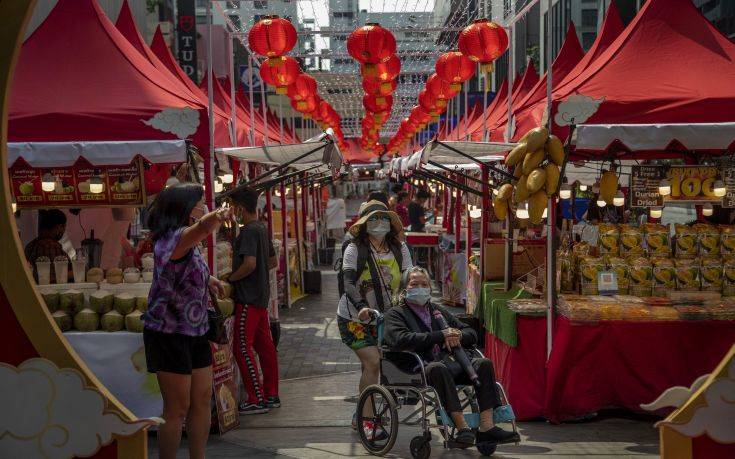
{"points": [[521, 88], [221, 99], [666, 83], [462, 129], [570, 54], [531, 116]]}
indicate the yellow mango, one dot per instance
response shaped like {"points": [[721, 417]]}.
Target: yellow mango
{"points": [[516, 155], [521, 192], [505, 191], [500, 208], [533, 160], [552, 178], [608, 186], [536, 180], [535, 138], [555, 150], [536, 205]]}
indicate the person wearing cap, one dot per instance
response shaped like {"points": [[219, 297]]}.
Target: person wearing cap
{"points": [[371, 268]]}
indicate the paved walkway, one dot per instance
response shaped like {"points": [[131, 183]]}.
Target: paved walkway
{"points": [[319, 381]]}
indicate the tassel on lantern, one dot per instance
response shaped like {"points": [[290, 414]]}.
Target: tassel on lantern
{"points": [[275, 61], [487, 68], [456, 87], [386, 88], [281, 90]]}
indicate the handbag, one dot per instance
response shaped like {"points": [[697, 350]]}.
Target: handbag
{"points": [[217, 332]]}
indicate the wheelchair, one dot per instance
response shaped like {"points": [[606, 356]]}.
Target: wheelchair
{"points": [[403, 383]]}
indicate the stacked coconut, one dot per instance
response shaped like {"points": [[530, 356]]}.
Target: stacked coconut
{"points": [[536, 158]]}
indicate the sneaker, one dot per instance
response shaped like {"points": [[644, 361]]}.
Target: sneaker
{"points": [[464, 438], [273, 402], [252, 408], [373, 434], [497, 436]]}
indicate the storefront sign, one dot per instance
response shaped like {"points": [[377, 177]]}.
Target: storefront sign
{"points": [[689, 184], [186, 36], [223, 384], [728, 176], [122, 185]]}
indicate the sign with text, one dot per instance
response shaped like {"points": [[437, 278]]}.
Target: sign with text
{"points": [[223, 383], [644, 182], [186, 37], [689, 184], [728, 176], [121, 185]]}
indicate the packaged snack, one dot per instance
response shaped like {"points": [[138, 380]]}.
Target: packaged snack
{"points": [[566, 268], [687, 275], [708, 237], [728, 278], [589, 268], [712, 273], [641, 276], [727, 241], [607, 239], [664, 276], [686, 242], [621, 269], [631, 241], [657, 239]]}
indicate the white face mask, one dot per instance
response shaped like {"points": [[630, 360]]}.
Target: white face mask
{"points": [[378, 228]]}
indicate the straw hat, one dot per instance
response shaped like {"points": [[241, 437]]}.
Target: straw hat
{"points": [[375, 208]]}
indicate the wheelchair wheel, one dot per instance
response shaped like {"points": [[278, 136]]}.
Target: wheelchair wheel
{"points": [[420, 447], [378, 432], [486, 449]]}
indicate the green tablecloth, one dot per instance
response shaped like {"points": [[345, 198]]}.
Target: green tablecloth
{"points": [[493, 311]]}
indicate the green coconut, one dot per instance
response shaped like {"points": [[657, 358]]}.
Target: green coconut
{"points": [[52, 300], [112, 321], [227, 306], [71, 301], [86, 320], [141, 303], [134, 322], [124, 303], [101, 301], [63, 320]]}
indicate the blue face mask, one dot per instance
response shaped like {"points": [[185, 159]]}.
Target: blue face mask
{"points": [[418, 296]]}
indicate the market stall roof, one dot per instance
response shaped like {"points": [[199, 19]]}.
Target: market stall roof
{"points": [[78, 79], [292, 154], [531, 114], [462, 129], [570, 54], [448, 153], [222, 100], [64, 154], [669, 68]]}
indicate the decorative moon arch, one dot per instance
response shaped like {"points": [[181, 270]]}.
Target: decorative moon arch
{"points": [[40, 374]]}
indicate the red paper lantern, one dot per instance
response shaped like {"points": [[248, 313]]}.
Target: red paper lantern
{"points": [[420, 117], [455, 68], [381, 117], [427, 102], [383, 72], [382, 89], [303, 87], [280, 72], [441, 90], [307, 105], [483, 41], [272, 37], [377, 104], [371, 44]]}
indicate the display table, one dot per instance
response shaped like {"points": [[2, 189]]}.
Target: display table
{"points": [[118, 361]]}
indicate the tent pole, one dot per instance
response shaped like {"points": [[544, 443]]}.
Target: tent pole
{"points": [[284, 231], [297, 226], [252, 101], [551, 212], [209, 164], [511, 74], [508, 274], [466, 107], [445, 211], [233, 122], [280, 117], [484, 106], [264, 109], [484, 225]]}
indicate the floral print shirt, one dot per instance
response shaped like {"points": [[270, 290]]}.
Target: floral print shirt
{"points": [[179, 297]]}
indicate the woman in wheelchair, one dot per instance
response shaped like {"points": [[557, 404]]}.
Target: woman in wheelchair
{"points": [[413, 325]]}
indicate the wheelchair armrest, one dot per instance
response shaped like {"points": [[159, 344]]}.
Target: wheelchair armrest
{"points": [[402, 368]]}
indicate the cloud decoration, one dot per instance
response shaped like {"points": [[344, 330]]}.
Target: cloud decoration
{"points": [[182, 122], [674, 396], [716, 417], [49, 412], [577, 109]]}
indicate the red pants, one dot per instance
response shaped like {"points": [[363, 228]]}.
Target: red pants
{"points": [[253, 335]]}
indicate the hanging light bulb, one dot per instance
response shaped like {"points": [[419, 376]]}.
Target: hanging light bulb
{"points": [[707, 210], [656, 212], [454, 193], [601, 202], [619, 199], [96, 186], [522, 211], [664, 187], [565, 192], [48, 182], [218, 185], [476, 213], [719, 188], [14, 205], [583, 187], [278, 192], [227, 177]]}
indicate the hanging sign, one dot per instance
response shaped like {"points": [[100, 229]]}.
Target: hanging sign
{"points": [[689, 184], [728, 176], [186, 37], [644, 182], [122, 186]]}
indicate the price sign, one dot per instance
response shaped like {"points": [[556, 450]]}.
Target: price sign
{"points": [[728, 176], [644, 182], [607, 282]]}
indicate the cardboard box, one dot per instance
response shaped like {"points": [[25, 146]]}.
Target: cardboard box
{"points": [[530, 254]]}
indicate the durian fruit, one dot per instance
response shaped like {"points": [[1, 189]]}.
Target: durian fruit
{"points": [[536, 180], [608, 186], [555, 150], [516, 155], [500, 207], [536, 205]]}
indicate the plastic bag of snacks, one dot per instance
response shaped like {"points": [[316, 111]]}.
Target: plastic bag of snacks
{"points": [[566, 268], [712, 273], [641, 276], [664, 276], [686, 242], [708, 237], [607, 239], [657, 239], [727, 240], [620, 267], [728, 278], [589, 268], [631, 241], [687, 275]]}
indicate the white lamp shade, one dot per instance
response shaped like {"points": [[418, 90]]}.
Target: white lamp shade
{"points": [[707, 210], [218, 186], [227, 177], [664, 187], [278, 192], [48, 183], [656, 212], [601, 203], [582, 187], [476, 213], [719, 188], [619, 199], [96, 185], [565, 192]]}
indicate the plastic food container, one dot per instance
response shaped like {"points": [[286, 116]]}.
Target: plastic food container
{"points": [[61, 270], [43, 268], [131, 276], [147, 275]]}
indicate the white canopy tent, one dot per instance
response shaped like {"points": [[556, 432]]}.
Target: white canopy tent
{"points": [[655, 137], [106, 153]]}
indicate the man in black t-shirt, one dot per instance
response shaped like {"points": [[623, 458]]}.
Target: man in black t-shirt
{"points": [[416, 211], [253, 257]]}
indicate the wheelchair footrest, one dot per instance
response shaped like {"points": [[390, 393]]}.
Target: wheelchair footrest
{"points": [[503, 413]]}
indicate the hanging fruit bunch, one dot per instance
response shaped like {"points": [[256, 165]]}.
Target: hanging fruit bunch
{"points": [[537, 159]]}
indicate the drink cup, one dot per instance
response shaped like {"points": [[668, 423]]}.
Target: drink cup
{"points": [[43, 268]]}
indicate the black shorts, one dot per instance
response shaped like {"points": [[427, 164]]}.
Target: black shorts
{"points": [[175, 353]]}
